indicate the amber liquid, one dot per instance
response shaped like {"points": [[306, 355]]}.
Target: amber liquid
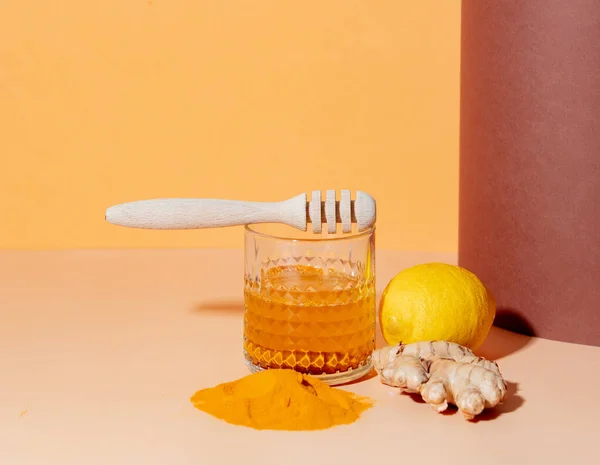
{"points": [[310, 320]]}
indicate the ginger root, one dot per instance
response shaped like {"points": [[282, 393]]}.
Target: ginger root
{"points": [[443, 373]]}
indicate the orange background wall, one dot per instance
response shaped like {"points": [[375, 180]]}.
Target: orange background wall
{"points": [[106, 102]]}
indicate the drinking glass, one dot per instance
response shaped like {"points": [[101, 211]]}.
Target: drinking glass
{"points": [[309, 301]]}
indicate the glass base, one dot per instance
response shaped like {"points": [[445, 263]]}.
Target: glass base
{"points": [[332, 379]]}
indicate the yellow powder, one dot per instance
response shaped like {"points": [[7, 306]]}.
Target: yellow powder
{"points": [[281, 400]]}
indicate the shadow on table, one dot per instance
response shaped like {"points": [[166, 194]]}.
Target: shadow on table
{"points": [[513, 320], [219, 306], [512, 403], [502, 342]]}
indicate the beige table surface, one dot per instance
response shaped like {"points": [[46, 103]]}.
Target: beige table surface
{"points": [[101, 350]]}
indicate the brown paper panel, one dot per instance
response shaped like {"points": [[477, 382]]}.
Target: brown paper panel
{"points": [[530, 162]]}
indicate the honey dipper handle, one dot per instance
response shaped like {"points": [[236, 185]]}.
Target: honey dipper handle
{"points": [[206, 213]]}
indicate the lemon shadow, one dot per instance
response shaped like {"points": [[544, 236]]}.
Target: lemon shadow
{"points": [[500, 343]]}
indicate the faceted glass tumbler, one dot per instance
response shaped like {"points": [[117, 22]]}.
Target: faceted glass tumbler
{"points": [[309, 301]]}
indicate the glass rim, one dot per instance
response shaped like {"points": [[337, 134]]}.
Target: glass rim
{"points": [[250, 228]]}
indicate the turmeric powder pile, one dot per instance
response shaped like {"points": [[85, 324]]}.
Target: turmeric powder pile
{"points": [[280, 399]]}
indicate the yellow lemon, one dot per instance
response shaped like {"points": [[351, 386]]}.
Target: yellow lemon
{"points": [[436, 301]]}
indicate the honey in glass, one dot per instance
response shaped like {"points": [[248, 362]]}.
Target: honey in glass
{"points": [[309, 311]]}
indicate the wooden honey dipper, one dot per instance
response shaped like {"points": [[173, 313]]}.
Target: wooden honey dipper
{"points": [[214, 213]]}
